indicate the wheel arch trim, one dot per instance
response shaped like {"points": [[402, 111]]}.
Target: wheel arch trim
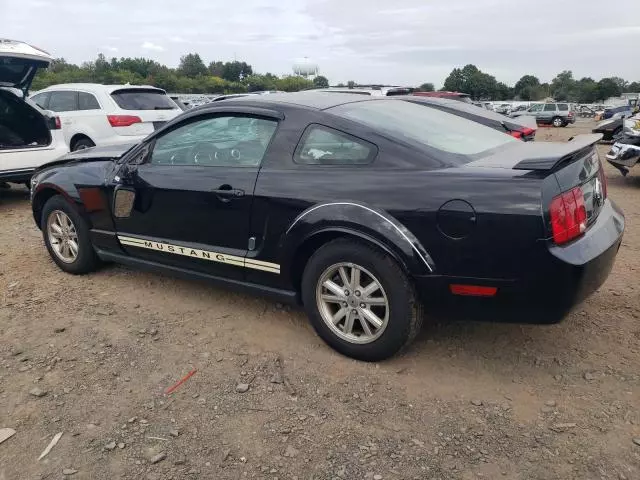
{"points": [[363, 221]]}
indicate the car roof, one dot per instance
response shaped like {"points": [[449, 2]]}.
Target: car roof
{"points": [[317, 100], [98, 87]]}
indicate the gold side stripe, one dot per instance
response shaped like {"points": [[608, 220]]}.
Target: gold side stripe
{"points": [[201, 254]]}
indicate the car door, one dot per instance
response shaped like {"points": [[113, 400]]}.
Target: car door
{"points": [[535, 111], [65, 104], [194, 192], [548, 113]]}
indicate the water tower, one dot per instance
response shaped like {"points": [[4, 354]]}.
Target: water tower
{"points": [[305, 68]]}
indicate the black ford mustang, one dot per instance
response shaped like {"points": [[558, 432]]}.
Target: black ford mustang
{"points": [[363, 209]]}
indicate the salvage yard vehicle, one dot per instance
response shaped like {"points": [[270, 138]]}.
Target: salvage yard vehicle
{"points": [[625, 153], [556, 114], [363, 209], [94, 114], [29, 136]]}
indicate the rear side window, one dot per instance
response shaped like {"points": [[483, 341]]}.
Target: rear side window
{"points": [[86, 101], [550, 107], [325, 146], [140, 99], [426, 127], [42, 99], [563, 107], [63, 101]]}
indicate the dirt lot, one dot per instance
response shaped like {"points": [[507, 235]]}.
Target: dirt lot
{"points": [[467, 401]]}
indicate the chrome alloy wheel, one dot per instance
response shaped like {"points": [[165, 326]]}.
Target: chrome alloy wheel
{"points": [[63, 236], [352, 303]]}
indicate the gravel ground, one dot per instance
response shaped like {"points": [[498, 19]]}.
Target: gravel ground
{"points": [[92, 357]]}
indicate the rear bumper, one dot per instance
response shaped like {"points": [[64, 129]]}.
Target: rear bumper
{"points": [[559, 278]]}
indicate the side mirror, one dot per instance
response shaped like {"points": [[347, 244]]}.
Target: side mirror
{"points": [[123, 201]]}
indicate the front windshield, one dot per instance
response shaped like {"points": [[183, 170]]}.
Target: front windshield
{"points": [[427, 126]]}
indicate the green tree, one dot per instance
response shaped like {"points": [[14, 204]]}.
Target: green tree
{"points": [[294, 83], [191, 65], [351, 84], [320, 82], [586, 90], [427, 87], [256, 83], [236, 71], [216, 68], [476, 83], [527, 88], [608, 87], [563, 86], [634, 87]]}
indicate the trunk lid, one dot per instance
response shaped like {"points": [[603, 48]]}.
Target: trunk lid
{"points": [[19, 63], [149, 108], [575, 165]]}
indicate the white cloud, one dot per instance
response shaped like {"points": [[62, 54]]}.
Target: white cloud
{"points": [[110, 49], [152, 46], [401, 42]]}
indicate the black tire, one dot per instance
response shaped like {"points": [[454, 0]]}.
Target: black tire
{"points": [[86, 260], [81, 144], [405, 310], [558, 122]]}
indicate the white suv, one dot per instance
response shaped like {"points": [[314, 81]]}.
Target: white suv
{"points": [[29, 136], [94, 114]]}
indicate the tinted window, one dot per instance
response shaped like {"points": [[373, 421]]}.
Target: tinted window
{"points": [[140, 99], [63, 101], [86, 101], [41, 99], [215, 142], [428, 127], [563, 107], [326, 146], [550, 107]]}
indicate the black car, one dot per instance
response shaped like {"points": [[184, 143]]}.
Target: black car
{"points": [[611, 129], [362, 209]]}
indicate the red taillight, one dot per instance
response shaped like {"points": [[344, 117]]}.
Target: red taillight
{"points": [[568, 216], [522, 133], [123, 120], [57, 123], [571, 114], [473, 290]]}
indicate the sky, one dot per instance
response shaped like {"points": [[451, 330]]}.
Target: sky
{"points": [[401, 42]]}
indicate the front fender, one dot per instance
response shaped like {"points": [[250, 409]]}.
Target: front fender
{"points": [[361, 220]]}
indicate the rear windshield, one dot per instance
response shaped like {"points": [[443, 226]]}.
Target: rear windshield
{"points": [[138, 99], [447, 133]]}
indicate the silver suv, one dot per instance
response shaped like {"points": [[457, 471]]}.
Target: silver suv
{"points": [[556, 114]]}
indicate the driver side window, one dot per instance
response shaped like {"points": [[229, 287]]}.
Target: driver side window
{"points": [[224, 141], [536, 108]]}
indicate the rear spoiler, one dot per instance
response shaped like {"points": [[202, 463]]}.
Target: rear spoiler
{"points": [[559, 153]]}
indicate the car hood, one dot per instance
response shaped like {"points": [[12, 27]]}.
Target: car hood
{"points": [[19, 63], [93, 154]]}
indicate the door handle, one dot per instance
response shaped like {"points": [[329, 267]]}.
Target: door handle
{"points": [[227, 193]]}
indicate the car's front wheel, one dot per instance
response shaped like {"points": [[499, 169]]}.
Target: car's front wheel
{"points": [[66, 236], [360, 301]]}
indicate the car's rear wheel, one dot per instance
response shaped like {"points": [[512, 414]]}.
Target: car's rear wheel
{"points": [[81, 144], [360, 301], [558, 122], [66, 236]]}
